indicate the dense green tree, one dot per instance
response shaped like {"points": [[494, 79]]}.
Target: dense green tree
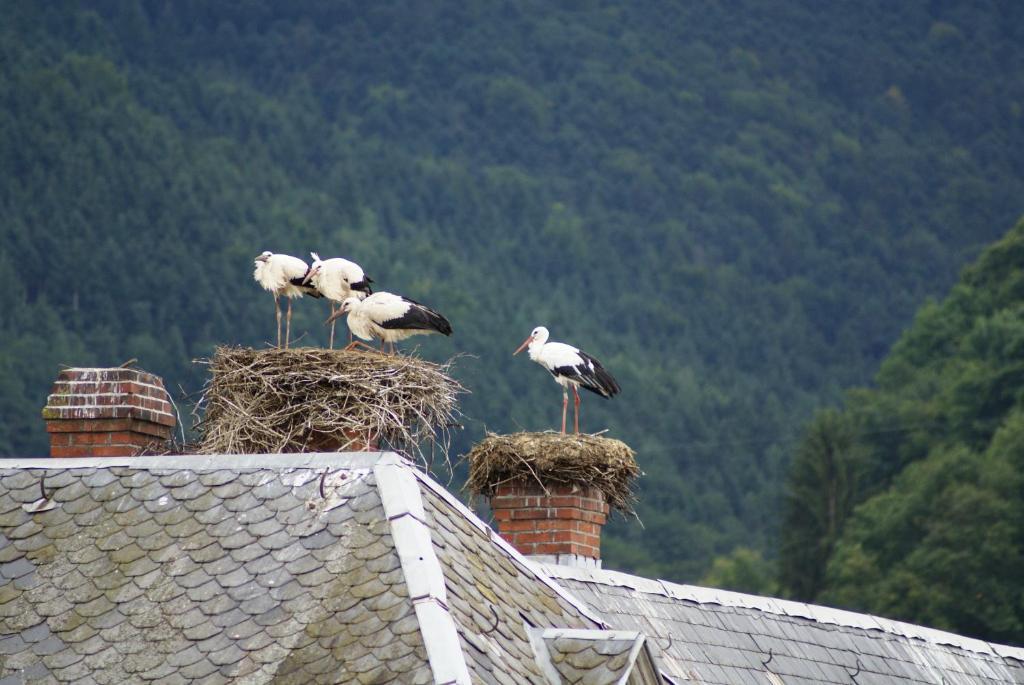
{"points": [[943, 545], [937, 535], [825, 481], [742, 570]]}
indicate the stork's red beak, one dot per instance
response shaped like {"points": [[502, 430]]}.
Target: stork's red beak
{"points": [[309, 276], [520, 348]]}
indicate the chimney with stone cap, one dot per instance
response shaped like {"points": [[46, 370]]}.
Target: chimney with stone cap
{"points": [[558, 523], [107, 413]]}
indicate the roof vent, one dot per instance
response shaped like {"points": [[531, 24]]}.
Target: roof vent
{"points": [[107, 413]]}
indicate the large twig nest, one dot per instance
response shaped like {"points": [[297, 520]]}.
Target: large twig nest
{"points": [[585, 460], [307, 399]]}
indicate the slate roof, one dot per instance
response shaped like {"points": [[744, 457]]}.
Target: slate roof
{"points": [[340, 568], [715, 636], [258, 569], [217, 574]]}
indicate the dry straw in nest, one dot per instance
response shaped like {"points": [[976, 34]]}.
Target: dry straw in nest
{"points": [[586, 460], [307, 400]]}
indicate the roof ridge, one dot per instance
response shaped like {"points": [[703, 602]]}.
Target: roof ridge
{"points": [[782, 607], [201, 462], [403, 507]]}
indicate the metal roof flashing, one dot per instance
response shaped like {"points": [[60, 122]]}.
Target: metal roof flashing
{"points": [[206, 462], [403, 507]]}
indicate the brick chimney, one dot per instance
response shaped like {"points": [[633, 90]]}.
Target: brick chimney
{"points": [[107, 413], [561, 525]]}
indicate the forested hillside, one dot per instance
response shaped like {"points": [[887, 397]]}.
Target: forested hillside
{"points": [[736, 206], [921, 479]]}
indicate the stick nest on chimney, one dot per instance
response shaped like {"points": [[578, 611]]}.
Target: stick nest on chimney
{"points": [[308, 400], [585, 460]]}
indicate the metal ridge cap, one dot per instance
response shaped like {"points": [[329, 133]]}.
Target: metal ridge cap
{"points": [[591, 634], [402, 502], [208, 462]]}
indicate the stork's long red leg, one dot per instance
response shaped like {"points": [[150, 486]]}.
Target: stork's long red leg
{"points": [[576, 421], [277, 313], [565, 405], [331, 343], [288, 324]]}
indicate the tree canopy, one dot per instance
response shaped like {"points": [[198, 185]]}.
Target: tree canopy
{"points": [[932, 530]]}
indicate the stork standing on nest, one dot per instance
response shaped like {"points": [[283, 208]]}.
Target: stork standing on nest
{"points": [[571, 367], [338, 279], [389, 318], [285, 275]]}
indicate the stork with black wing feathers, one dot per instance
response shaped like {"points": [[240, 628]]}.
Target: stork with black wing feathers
{"points": [[389, 318], [570, 367]]}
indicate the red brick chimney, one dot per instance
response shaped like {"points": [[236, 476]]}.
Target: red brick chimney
{"points": [[107, 413], [561, 525]]}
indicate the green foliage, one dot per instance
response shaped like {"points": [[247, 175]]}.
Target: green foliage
{"points": [[825, 481], [937, 536], [729, 207], [942, 546], [743, 570]]}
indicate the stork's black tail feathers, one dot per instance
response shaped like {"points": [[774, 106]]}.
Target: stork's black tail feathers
{"points": [[607, 386], [596, 378], [420, 317]]}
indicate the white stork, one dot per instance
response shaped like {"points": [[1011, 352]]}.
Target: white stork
{"points": [[389, 318], [570, 367], [338, 279], [283, 274]]}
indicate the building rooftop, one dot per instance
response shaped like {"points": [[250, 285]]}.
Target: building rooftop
{"points": [[307, 568], [297, 568]]}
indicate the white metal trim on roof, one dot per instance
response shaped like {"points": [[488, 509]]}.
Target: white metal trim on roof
{"points": [[542, 655], [403, 507], [213, 462], [634, 653], [590, 634], [813, 612]]}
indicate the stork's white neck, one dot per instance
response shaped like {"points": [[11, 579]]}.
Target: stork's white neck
{"points": [[537, 343]]}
